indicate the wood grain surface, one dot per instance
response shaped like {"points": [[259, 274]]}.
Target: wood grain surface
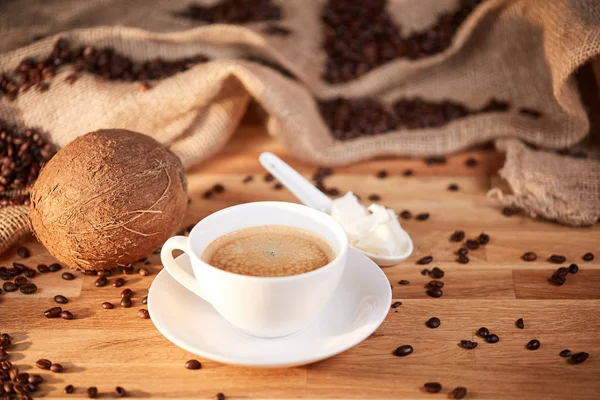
{"points": [[108, 348]]}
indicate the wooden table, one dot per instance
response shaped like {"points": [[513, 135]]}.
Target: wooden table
{"points": [[108, 348]]}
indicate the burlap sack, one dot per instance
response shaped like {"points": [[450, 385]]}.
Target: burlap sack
{"points": [[521, 51]]}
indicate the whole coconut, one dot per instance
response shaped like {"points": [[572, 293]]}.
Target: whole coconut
{"points": [[108, 199]]}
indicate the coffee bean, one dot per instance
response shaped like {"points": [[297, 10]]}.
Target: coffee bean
{"points": [[143, 313], [403, 350], [520, 323], [382, 174], [573, 268], [145, 300], [557, 279], [463, 251], [20, 390], [278, 186], [483, 332], [433, 322], [453, 187], [405, 214], [578, 358], [422, 216], [435, 284], [471, 162], [529, 256], [107, 306], [472, 244], [28, 288], [126, 293], [403, 282], [126, 302], [557, 259], [432, 387], [42, 363], [35, 379], [119, 282], [43, 268], [6, 365], [457, 236], [56, 368], [23, 252], [5, 344], [435, 160], [19, 268], [105, 273], [69, 389], [218, 188], [3, 355], [509, 212], [483, 238], [220, 396], [20, 280], [425, 260], [269, 178], [13, 374], [467, 344], [396, 304], [333, 192], [458, 393], [588, 257], [54, 267], [565, 353], [143, 272], [562, 271], [31, 388], [533, 344], [23, 377], [92, 392], [9, 287], [102, 281], [247, 179], [8, 387], [407, 172], [193, 364], [29, 273], [60, 299], [492, 338], [67, 276], [462, 259], [129, 270], [66, 315], [434, 292], [374, 197], [53, 312], [207, 194], [437, 273], [425, 272], [120, 392]]}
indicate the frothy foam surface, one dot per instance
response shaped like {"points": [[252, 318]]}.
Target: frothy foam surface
{"points": [[271, 250]]}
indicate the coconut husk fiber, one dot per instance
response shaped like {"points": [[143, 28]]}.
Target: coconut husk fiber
{"points": [[525, 52]]}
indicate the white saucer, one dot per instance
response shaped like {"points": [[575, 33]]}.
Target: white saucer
{"points": [[359, 305]]}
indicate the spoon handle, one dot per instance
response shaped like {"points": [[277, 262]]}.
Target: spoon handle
{"points": [[300, 187]]}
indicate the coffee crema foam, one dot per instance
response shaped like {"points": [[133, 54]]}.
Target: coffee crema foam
{"points": [[269, 250]]}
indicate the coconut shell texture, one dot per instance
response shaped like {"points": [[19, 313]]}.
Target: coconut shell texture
{"points": [[108, 199]]}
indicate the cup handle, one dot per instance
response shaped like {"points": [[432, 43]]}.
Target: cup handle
{"points": [[180, 275]]}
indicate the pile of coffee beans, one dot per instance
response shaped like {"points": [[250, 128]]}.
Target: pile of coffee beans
{"points": [[233, 12], [105, 63], [22, 155], [13, 383], [361, 35], [17, 278], [559, 277], [349, 118]]}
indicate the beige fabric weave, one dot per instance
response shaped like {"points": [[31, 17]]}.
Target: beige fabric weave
{"points": [[521, 51]]}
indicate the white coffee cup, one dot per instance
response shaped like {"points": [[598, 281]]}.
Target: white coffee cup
{"points": [[260, 306]]}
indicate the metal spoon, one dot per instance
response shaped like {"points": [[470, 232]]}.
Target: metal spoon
{"points": [[309, 195]]}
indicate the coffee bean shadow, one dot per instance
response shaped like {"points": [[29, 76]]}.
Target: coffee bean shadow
{"points": [[82, 313], [136, 394], [71, 369]]}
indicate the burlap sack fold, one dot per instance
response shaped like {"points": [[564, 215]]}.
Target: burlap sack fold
{"points": [[524, 52]]}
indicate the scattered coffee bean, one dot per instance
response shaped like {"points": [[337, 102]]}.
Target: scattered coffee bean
{"points": [[31, 388], [435, 160], [565, 353], [28, 288], [42, 363], [403, 282], [407, 172], [529, 256], [56, 368], [422, 216], [43, 268], [126, 302], [573, 268], [193, 364], [218, 188], [143, 313], [405, 214], [9, 287], [425, 260], [483, 238], [119, 282], [5, 344], [102, 281], [434, 292], [69, 389], [463, 251], [453, 187], [143, 272], [557, 259], [5, 366], [435, 284], [483, 332], [563, 271], [578, 358], [92, 392], [588, 257], [29, 273], [425, 272], [129, 270], [247, 179], [396, 304], [509, 212], [278, 186], [120, 392], [20, 281], [107, 306], [207, 194], [458, 393], [8, 388], [268, 178], [462, 259], [492, 338], [19, 268], [53, 312], [403, 350], [472, 244], [433, 322], [520, 323], [467, 344], [35, 379], [533, 344], [67, 276], [333, 191], [23, 252], [54, 267], [471, 162], [457, 236], [374, 197], [66, 315], [432, 387], [145, 300], [126, 293], [557, 279], [13, 374], [437, 273], [382, 174], [220, 396]]}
